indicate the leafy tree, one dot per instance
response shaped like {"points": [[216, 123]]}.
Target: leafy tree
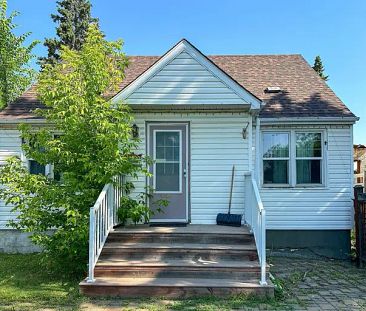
{"points": [[73, 19], [94, 143], [318, 67], [16, 75]]}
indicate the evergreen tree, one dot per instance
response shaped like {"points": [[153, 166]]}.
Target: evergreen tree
{"points": [[73, 19], [318, 67], [16, 74]]}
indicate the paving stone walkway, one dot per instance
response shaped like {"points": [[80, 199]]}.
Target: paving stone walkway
{"points": [[307, 284], [320, 284]]}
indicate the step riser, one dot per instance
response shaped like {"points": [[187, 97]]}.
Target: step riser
{"points": [[177, 273], [155, 254], [180, 238], [172, 292]]}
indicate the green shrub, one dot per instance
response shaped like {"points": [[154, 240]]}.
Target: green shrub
{"points": [[137, 210]]}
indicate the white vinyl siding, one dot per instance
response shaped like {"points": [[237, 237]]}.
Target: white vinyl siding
{"points": [[10, 145], [327, 207], [216, 144], [184, 81]]}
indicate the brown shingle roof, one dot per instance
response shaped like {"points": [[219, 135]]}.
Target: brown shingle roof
{"points": [[304, 93]]}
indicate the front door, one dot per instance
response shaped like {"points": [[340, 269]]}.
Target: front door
{"points": [[167, 146]]}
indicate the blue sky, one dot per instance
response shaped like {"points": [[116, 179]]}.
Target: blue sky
{"points": [[333, 29]]}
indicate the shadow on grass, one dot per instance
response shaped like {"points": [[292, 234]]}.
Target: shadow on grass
{"points": [[26, 281], [209, 303]]}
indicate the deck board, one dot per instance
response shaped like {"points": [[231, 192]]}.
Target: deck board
{"points": [[189, 229]]}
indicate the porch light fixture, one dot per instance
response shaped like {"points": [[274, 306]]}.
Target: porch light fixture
{"points": [[135, 131], [244, 131]]}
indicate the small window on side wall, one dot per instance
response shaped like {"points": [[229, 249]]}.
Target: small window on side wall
{"points": [[276, 157], [357, 166], [36, 168]]}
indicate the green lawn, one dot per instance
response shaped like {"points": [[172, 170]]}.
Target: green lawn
{"points": [[25, 284], [315, 283]]}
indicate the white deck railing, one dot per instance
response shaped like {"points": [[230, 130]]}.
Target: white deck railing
{"points": [[255, 217], [103, 216]]}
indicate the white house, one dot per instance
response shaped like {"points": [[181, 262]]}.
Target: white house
{"points": [[271, 116]]}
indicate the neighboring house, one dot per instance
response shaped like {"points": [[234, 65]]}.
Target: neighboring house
{"points": [[199, 115], [359, 164]]}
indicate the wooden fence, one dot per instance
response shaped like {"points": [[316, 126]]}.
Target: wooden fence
{"points": [[360, 224]]}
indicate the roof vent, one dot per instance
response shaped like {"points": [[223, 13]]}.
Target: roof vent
{"points": [[273, 89]]}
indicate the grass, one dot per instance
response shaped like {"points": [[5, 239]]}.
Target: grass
{"points": [[25, 284]]}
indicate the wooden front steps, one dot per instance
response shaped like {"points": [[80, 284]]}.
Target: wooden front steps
{"points": [[196, 260]]}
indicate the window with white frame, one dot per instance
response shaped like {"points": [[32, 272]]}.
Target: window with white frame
{"points": [[292, 158], [309, 158], [36, 168], [57, 174], [276, 156]]}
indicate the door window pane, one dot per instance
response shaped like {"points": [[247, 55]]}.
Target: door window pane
{"points": [[167, 158], [308, 171], [308, 145], [167, 146], [167, 177], [275, 171]]}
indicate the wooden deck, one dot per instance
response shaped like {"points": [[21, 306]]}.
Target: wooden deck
{"points": [[195, 229], [196, 260]]}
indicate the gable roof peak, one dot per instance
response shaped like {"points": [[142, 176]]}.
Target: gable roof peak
{"points": [[184, 45]]}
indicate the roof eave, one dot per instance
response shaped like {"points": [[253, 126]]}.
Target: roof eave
{"points": [[190, 107], [22, 120], [314, 120]]}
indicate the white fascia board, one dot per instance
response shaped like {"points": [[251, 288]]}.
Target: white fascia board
{"points": [[19, 121], [185, 46], [309, 120], [190, 108]]}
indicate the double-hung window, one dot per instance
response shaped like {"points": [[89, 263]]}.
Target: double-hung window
{"points": [[276, 156], [309, 158], [292, 158]]}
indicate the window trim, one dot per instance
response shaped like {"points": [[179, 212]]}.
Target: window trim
{"points": [[292, 158], [49, 172]]}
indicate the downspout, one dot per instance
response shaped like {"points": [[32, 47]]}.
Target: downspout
{"points": [[257, 150], [250, 144]]}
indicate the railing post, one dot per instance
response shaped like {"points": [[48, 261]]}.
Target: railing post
{"points": [[263, 247], [111, 207], [91, 245], [248, 211]]}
